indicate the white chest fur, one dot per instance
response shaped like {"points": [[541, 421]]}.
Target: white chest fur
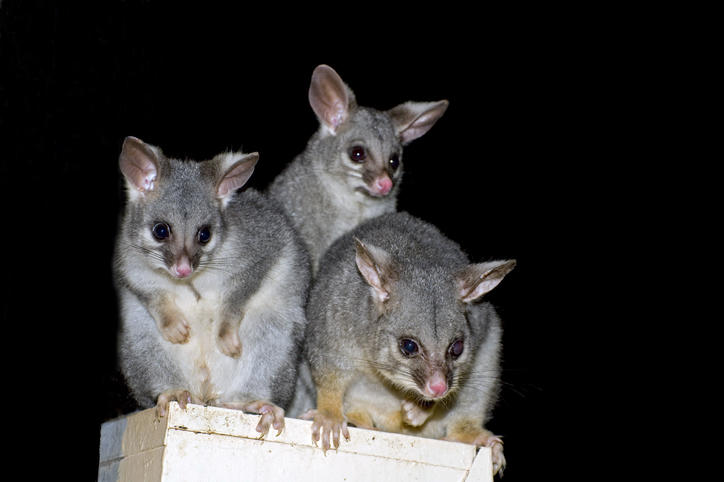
{"points": [[208, 373], [368, 394]]}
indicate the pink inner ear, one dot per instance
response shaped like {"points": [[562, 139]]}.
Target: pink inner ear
{"points": [[370, 274], [328, 97], [337, 114], [142, 179], [237, 176], [138, 165], [369, 271], [414, 119], [231, 183], [478, 279], [468, 295]]}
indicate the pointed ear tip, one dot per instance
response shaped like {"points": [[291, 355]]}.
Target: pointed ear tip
{"points": [[505, 264], [131, 140], [238, 159], [323, 68], [442, 106]]}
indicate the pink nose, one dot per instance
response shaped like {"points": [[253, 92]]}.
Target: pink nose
{"points": [[182, 268], [383, 185], [438, 389], [436, 386]]}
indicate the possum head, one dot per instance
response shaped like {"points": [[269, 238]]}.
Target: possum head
{"points": [[175, 208]]}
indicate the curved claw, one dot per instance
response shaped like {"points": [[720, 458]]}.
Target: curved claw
{"points": [[183, 397], [324, 426], [271, 415], [495, 444], [482, 438]]}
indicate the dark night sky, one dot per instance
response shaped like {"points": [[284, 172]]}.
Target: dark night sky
{"points": [[76, 81]]}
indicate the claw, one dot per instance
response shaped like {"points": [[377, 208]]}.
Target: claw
{"points": [[183, 397], [328, 429], [267, 419], [495, 444], [271, 415]]}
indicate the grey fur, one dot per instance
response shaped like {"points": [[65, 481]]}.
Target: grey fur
{"points": [[254, 271], [356, 337], [323, 191]]}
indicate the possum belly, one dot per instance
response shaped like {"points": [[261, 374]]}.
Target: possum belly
{"points": [[207, 372], [367, 395]]}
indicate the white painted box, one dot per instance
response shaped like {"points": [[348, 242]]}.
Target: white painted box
{"points": [[217, 444]]}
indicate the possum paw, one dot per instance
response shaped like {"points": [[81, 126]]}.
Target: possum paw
{"points": [[271, 415], [495, 444], [175, 330], [183, 397], [482, 438], [228, 340], [326, 425], [413, 414]]}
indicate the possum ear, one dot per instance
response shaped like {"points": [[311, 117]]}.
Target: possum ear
{"points": [[236, 169], [330, 98], [475, 280], [139, 163], [377, 268], [414, 119]]}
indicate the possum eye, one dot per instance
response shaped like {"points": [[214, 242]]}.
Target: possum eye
{"points": [[394, 162], [456, 349], [408, 347], [204, 235], [357, 154], [161, 231]]}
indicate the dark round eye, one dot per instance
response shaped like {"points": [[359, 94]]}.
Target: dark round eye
{"points": [[204, 235], [161, 231], [358, 154], [456, 349], [408, 347], [394, 162]]}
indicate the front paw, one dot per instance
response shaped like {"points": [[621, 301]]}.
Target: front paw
{"points": [[181, 396], [326, 424], [495, 444], [483, 438], [228, 340], [175, 329], [271, 415], [413, 414]]}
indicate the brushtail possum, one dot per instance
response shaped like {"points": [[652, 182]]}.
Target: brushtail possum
{"points": [[351, 168], [212, 284], [399, 339]]}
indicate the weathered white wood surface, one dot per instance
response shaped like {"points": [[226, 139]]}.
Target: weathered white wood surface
{"points": [[216, 444]]}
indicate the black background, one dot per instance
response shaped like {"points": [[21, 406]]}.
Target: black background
{"points": [[76, 79]]}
